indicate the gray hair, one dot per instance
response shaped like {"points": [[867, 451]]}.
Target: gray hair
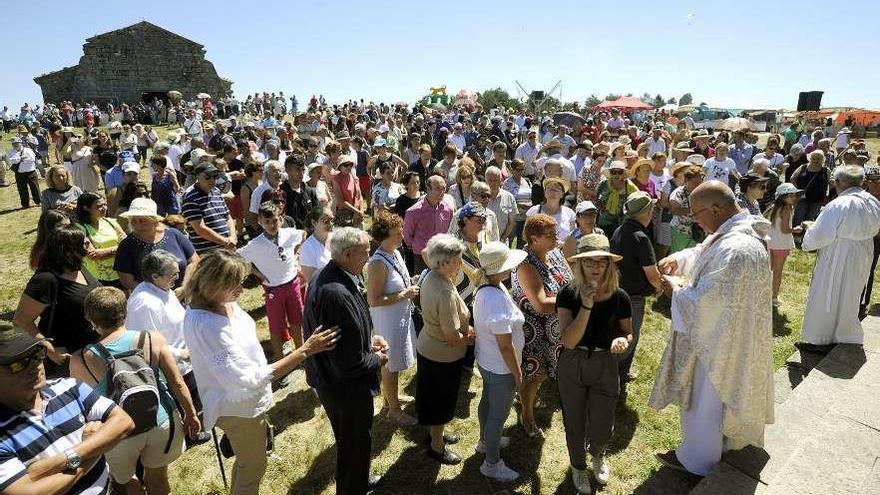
{"points": [[443, 248], [796, 149], [850, 175], [493, 170], [345, 238], [761, 162], [816, 156], [479, 187], [161, 146], [158, 263]]}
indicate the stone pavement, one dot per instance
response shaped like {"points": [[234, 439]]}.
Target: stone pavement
{"points": [[826, 438]]}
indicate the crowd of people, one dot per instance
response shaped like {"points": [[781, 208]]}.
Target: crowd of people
{"points": [[386, 238]]}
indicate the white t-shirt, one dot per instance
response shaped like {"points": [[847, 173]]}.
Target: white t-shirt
{"points": [[266, 255], [254, 207], [495, 313], [659, 180], [565, 220], [153, 309], [568, 171], [314, 255], [719, 170]]}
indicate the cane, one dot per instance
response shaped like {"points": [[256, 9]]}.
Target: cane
{"points": [[219, 457]]}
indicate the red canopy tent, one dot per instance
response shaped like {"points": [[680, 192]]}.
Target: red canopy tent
{"points": [[625, 104]]}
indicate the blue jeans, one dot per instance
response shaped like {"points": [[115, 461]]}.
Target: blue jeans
{"points": [[495, 404]]}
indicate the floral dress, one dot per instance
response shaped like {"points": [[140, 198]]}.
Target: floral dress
{"points": [[543, 341]]}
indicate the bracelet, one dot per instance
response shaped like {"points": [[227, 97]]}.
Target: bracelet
{"points": [[585, 307]]}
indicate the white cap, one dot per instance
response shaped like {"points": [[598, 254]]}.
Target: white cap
{"points": [[130, 167], [383, 128], [585, 206]]}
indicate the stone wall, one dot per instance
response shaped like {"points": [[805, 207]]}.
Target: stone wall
{"points": [[122, 64]]}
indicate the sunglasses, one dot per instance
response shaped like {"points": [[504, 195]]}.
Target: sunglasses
{"points": [[617, 172], [26, 362]]}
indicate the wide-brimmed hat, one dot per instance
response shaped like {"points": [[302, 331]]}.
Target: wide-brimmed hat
{"points": [[640, 163], [614, 165], [751, 178], [496, 257], [678, 166], [786, 188], [557, 180], [683, 146], [594, 246], [696, 159], [313, 166], [345, 159], [624, 140], [552, 144], [844, 130], [15, 344], [142, 207], [636, 203]]}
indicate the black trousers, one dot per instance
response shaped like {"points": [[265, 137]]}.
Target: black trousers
{"points": [[25, 181], [351, 416]]}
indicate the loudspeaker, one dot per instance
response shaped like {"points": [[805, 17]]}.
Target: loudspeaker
{"points": [[809, 101], [537, 95]]}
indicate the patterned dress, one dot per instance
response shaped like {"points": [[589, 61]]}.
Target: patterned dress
{"points": [[543, 341]]}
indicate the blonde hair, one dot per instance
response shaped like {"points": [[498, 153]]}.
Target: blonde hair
{"points": [[217, 272], [608, 283]]}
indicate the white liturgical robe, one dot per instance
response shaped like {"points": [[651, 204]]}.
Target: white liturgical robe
{"points": [[718, 363], [843, 234]]}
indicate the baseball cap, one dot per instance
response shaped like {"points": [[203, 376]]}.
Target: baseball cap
{"points": [[585, 206], [15, 344], [786, 188], [383, 128], [472, 209], [208, 169], [130, 167], [379, 142]]}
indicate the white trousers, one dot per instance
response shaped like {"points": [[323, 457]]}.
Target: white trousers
{"points": [[702, 439]]}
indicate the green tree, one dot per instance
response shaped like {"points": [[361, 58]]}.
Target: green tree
{"points": [[686, 99], [497, 97], [658, 101], [592, 101], [646, 97], [672, 101], [611, 97]]}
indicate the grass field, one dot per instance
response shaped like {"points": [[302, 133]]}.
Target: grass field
{"points": [[304, 456]]}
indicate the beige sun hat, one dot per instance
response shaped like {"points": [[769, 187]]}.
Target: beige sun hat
{"points": [[594, 246], [142, 207], [496, 257]]}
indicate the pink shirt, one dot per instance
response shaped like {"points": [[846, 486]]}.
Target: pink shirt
{"points": [[423, 221]]}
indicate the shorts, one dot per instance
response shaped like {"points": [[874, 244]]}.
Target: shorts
{"points": [[781, 252], [235, 208], [149, 447], [284, 304]]}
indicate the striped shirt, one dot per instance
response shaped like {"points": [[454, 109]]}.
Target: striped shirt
{"points": [[27, 436], [211, 209]]}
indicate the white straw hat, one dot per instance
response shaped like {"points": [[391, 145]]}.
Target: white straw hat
{"points": [[496, 257], [142, 207]]}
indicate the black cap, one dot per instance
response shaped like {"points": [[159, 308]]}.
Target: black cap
{"points": [[209, 169], [752, 178], [15, 344]]}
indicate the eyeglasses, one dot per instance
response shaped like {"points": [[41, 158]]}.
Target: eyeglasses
{"points": [[616, 172], [327, 220], [483, 196], [26, 362], [602, 262]]}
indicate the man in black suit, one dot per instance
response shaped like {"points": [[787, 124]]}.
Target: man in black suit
{"points": [[346, 378]]}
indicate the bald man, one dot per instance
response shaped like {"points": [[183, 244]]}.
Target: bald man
{"points": [[718, 363]]}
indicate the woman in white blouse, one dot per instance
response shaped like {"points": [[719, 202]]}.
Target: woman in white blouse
{"points": [[499, 327], [230, 366]]}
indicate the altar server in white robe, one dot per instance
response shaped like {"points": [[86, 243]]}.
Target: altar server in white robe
{"points": [[843, 234], [718, 363]]}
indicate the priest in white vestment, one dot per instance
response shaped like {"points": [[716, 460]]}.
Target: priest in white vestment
{"points": [[843, 234], [718, 363]]}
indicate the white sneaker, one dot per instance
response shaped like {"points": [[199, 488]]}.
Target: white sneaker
{"points": [[581, 480], [601, 470], [776, 303], [481, 447], [498, 471]]}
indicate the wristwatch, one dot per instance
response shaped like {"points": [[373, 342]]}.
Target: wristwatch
{"points": [[73, 460]]}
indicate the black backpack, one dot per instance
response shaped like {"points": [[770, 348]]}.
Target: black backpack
{"points": [[133, 385]]}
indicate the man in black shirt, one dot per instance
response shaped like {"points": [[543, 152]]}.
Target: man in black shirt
{"points": [[639, 276], [299, 198]]}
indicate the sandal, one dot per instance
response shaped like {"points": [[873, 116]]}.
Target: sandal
{"points": [[531, 429]]}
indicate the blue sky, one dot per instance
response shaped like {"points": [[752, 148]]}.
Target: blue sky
{"points": [[742, 54]]}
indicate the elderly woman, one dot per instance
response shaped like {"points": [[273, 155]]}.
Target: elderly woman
{"points": [[535, 284], [156, 448], [315, 251], [611, 195], [683, 228], [521, 188], [148, 234], [498, 323], [795, 158], [390, 293], [55, 294], [347, 198], [751, 189], [640, 174], [442, 344], [59, 193], [153, 305], [813, 178], [555, 189], [103, 234], [235, 381], [595, 321]]}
